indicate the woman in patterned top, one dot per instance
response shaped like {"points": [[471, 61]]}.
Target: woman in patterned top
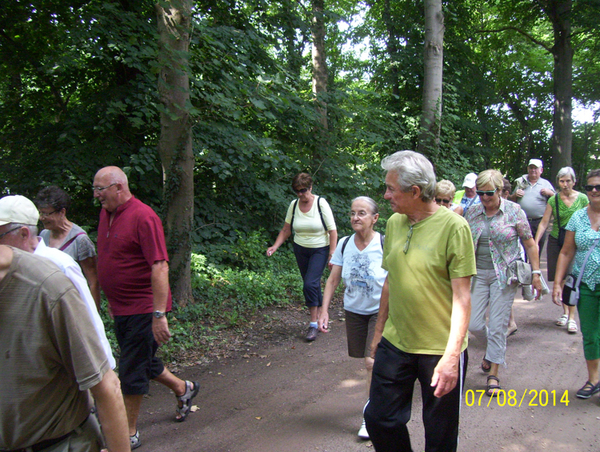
{"points": [[583, 230], [497, 225], [569, 201]]}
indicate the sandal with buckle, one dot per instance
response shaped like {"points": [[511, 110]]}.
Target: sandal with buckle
{"points": [[562, 320], [588, 390], [186, 400], [134, 440], [492, 388], [486, 365], [572, 327]]}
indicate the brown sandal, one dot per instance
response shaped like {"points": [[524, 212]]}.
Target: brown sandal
{"points": [[492, 388], [486, 365]]}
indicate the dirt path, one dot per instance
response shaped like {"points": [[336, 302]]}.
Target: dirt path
{"points": [[295, 396]]}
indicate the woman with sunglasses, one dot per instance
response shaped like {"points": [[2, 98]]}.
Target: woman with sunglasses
{"points": [[444, 195], [568, 201], [583, 231], [497, 225], [315, 239]]}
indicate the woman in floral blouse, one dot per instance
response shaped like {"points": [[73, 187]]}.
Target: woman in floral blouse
{"points": [[497, 225], [583, 230]]}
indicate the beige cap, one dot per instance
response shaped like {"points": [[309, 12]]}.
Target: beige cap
{"points": [[536, 162], [18, 209]]}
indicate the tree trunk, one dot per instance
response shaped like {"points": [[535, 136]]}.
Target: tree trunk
{"points": [[175, 144], [319, 79], [432, 82], [559, 12]]}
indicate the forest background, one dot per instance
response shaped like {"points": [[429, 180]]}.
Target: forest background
{"points": [[212, 107]]}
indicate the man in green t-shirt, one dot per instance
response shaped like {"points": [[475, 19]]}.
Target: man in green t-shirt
{"points": [[425, 309]]}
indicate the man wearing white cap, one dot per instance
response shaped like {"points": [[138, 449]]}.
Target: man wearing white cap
{"points": [[532, 193], [469, 194]]}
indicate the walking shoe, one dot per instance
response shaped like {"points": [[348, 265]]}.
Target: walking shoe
{"points": [[135, 440], [312, 333], [588, 390], [562, 320], [362, 431], [572, 327]]}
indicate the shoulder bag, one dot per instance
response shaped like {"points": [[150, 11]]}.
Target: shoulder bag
{"points": [[570, 292]]}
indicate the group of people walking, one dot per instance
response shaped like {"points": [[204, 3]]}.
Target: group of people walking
{"points": [[480, 278], [447, 264]]}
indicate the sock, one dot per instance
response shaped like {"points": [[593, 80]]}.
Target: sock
{"points": [[314, 324]]}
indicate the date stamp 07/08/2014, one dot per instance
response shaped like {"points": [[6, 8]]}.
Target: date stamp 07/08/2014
{"points": [[528, 398]]}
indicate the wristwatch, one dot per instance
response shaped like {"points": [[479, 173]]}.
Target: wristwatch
{"points": [[158, 314]]}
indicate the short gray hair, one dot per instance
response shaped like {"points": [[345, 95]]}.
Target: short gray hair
{"points": [[372, 204], [32, 229], [566, 171], [412, 168]]}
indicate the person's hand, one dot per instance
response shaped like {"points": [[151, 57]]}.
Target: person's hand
{"points": [[160, 329], [519, 193], [537, 285], [546, 192], [271, 250], [557, 293], [445, 376], [323, 322]]}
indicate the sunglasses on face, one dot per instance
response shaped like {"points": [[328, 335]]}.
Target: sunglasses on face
{"points": [[486, 192], [592, 187], [439, 201], [301, 191]]}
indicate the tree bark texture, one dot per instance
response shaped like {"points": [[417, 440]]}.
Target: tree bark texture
{"points": [[319, 79], [432, 81], [559, 12], [175, 143]]}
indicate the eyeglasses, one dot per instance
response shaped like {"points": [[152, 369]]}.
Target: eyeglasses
{"points": [[301, 191], [408, 237], [592, 187], [8, 232], [439, 201], [101, 189], [360, 214], [486, 192], [44, 215]]}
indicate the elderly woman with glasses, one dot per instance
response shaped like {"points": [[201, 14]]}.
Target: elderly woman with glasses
{"points": [[444, 195], [497, 225], [315, 239], [583, 238], [53, 204], [567, 201]]}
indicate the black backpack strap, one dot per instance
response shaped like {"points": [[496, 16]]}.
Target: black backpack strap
{"points": [[344, 245], [293, 213], [381, 238], [321, 213]]}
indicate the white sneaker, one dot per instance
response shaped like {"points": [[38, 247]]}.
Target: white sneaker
{"points": [[362, 432]]}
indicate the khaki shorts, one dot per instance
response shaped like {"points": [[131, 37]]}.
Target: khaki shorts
{"points": [[360, 330]]}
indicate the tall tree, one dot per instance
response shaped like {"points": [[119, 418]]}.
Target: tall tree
{"points": [[432, 80], [319, 77], [175, 143]]}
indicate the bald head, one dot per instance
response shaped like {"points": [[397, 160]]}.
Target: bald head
{"points": [[111, 187]]}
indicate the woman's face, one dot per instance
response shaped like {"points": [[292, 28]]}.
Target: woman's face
{"points": [[489, 196], [566, 183], [361, 216], [51, 217], [593, 194], [444, 199], [303, 193]]}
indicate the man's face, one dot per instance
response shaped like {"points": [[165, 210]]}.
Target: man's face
{"points": [[534, 172], [106, 191], [398, 199], [470, 192]]}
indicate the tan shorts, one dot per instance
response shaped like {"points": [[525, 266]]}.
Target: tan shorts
{"points": [[360, 330]]}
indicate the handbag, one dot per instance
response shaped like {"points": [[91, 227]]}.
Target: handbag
{"points": [[561, 231], [570, 291], [522, 272]]}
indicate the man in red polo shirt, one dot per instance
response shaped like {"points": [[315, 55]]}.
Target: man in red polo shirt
{"points": [[133, 271]]}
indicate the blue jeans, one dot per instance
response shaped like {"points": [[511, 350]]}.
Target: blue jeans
{"points": [[311, 262]]}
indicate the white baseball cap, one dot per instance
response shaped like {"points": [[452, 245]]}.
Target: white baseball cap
{"points": [[18, 209], [536, 162], [470, 180]]}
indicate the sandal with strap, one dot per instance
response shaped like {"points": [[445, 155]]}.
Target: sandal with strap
{"points": [[486, 365], [572, 327], [186, 400], [492, 388], [562, 320]]}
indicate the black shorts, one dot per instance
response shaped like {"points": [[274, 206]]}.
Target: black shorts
{"points": [[360, 330], [137, 363]]}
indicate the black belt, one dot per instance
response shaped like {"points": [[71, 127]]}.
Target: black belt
{"points": [[534, 219]]}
